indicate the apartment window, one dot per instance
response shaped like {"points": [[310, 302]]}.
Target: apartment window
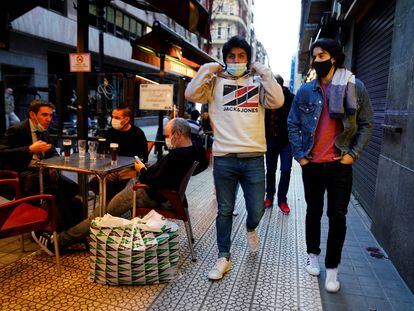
{"points": [[58, 6], [119, 23], [218, 54], [92, 15], [228, 31], [126, 26], [139, 29], [219, 31], [133, 27], [231, 7], [110, 18]]}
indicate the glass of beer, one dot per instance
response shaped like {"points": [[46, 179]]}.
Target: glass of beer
{"points": [[82, 147], [93, 148], [102, 147], [114, 153], [67, 145]]}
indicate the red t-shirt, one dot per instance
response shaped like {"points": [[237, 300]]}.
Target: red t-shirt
{"points": [[324, 149]]}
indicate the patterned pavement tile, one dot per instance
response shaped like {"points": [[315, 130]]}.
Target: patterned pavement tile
{"points": [[270, 279]]}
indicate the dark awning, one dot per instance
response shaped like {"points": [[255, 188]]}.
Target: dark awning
{"points": [[188, 13], [163, 40]]}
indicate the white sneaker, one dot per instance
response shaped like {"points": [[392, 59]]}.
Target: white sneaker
{"points": [[222, 266], [312, 265], [253, 241], [332, 284]]}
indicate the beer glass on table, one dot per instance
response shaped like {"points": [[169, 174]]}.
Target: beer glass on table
{"points": [[67, 145], [102, 147], [93, 150], [114, 153]]}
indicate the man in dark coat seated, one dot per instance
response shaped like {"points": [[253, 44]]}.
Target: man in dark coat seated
{"points": [[27, 142], [165, 174]]}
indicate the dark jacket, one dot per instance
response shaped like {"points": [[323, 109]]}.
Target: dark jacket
{"points": [[276, 121], [131, 143], [304, 117], [14, 150], [171, 169]]}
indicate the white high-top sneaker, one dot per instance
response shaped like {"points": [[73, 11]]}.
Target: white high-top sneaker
{"points": [[312, 265], [332, 284]]}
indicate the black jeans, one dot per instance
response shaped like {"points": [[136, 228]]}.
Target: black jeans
{"points": [[272, 154], [336, 179]]}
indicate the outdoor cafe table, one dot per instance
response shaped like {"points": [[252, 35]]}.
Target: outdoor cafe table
{"points": [[101, 167]]}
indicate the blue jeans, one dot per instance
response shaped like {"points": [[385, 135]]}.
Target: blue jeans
{"points": [[285, 153], [228, 173]]}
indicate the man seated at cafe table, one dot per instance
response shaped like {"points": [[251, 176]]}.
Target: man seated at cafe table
{"points": [[165, 174], [27, 142], [131, 142]]}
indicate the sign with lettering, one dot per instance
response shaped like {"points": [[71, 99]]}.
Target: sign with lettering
{"points": [[80, 62], [156, 96]]}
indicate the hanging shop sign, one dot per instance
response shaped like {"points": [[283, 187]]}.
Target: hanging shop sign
{"points": [[80, 62], [156, 96]]}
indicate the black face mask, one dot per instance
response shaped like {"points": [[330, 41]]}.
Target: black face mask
{"points": [[322, 68]]}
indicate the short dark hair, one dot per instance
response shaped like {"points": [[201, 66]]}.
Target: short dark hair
{"points": [[237, 42], [126, 111], [332, 47], [35, 105], [194, 115], [279, 80]]}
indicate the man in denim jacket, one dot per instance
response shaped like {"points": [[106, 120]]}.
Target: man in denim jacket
{"points": [[329, 124]]}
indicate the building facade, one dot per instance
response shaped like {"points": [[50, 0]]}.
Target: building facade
{"points": [[378, 39], [42, 38], [230, 18]]}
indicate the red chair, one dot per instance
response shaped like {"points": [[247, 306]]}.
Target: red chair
{"points": [[150, 144], [178, 202], [24, 215]]}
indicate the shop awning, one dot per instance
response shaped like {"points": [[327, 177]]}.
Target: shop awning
{"points": [[188, 13], [182, 57]]}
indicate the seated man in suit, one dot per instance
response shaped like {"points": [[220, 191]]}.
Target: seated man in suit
{"points": [[165, 174], [131, 142], [25, 143]]}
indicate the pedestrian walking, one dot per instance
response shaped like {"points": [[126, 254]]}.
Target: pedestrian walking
{"points": [[237, 96], [11, 117], [278, 145], [329, 124]]}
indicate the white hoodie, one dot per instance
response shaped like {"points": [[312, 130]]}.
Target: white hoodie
{"points": [[236, 107]]}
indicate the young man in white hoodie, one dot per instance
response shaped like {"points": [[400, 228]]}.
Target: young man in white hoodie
{"points": [[237, 96]]}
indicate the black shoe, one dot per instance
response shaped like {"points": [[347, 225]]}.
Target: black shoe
{"points": [[45, 241]]}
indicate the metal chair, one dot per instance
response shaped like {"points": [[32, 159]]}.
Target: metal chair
{"points": [[178, 202], [24, 215]]}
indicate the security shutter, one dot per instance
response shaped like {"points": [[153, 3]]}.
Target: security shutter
{"points": [[372, 60]]}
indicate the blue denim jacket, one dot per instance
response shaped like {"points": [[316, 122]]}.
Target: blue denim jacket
{"points": [[304, 116]]}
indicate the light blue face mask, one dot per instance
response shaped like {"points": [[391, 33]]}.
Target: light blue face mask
{"points": [[236, 69], [38, 126]]}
